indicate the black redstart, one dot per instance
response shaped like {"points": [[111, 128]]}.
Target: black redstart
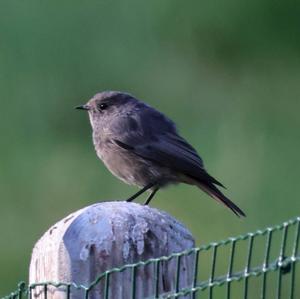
{"points": [[142, 147]]}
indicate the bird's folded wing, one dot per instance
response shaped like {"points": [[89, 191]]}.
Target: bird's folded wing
{"points": [[172, 151]]}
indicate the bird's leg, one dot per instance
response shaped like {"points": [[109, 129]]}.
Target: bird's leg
{"points": [[134, 196], [151, 196]]}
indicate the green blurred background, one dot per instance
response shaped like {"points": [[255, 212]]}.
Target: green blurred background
{"points": [[227, 72]]}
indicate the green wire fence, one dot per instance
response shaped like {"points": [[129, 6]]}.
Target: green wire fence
{"points": [[255, 265]]}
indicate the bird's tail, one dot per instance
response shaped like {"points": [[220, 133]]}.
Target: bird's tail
{"points": [[215, 193]]}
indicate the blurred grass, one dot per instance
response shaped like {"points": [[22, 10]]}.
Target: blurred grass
{"points": [[228, 74]]}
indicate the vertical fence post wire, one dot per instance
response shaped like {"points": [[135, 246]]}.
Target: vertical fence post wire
{"points": [[86, 293], [30, 292], [295, 254], [230, 266], [133, 284], [45, 291], [106, 286], [68, 291], [248, 265], [266, 264], [177, 279], [212, 273], [281, 258], [195, 277], [156, 278]]}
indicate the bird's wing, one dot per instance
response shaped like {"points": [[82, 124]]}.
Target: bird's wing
{"points": [[155, 138], [172, 152]]}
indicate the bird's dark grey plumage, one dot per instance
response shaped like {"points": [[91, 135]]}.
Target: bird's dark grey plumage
{"points": [[142, 147]]}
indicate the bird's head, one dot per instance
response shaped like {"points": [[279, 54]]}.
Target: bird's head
{"points": [[103, 106]]}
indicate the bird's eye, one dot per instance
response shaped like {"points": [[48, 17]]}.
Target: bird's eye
{"points": [[102, 106]]}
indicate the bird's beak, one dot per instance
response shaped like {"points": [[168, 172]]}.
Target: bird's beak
{"points": [[83, 107]]}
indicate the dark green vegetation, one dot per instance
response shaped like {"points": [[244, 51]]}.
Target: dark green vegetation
{"points": [[227, 72]]}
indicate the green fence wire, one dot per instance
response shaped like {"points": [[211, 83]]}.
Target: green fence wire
{"points": [[255, 265]]}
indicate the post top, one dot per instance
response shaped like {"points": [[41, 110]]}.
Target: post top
{"points": [[104, 236]]}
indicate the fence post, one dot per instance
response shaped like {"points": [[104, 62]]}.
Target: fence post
{"points": [[106, 235]]}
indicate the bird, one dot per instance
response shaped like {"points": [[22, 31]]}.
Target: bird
{"points": [[142, 147]]}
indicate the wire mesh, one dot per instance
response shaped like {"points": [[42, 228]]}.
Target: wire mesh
{"points": [[255, 265]]}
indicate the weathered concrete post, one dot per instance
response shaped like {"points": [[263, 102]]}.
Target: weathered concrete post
{"points": [[106, 235]]}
